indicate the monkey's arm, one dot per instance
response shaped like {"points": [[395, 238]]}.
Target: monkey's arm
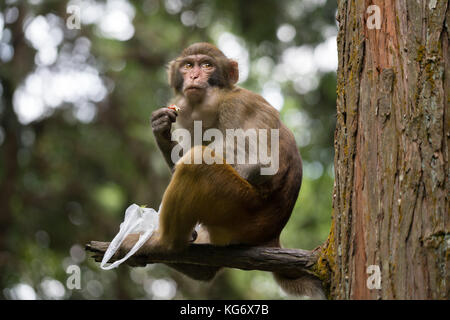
{"points": [[166, 147], [161, 121]]}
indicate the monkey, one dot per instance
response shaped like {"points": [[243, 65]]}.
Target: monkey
{"points": [[233, 202]]}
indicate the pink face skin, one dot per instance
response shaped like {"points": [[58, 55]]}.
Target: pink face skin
{"points": [[196, 70]]}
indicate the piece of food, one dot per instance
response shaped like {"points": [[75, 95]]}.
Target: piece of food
{"points": [[174, 107]]}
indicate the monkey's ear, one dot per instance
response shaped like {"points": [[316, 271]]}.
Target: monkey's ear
{"points": [[233, 72], [175, 78], [170, 67]]}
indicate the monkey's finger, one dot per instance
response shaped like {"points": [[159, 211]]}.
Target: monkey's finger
{"points": [[164, 117], [162, 122], [160, 119], [157, 114], [172, 115], [167, 116], [164, 112]]}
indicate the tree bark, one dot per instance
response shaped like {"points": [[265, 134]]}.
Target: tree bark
{"points": [[390, 201]]}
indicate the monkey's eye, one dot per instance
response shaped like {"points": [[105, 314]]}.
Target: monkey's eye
{"points": [[206, 65], [188, 65]]}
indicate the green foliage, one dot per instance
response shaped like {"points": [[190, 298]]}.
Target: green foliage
{"points": [[68, 174]]}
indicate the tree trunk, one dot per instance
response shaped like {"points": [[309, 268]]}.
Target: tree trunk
{"points": [[390, 202]]}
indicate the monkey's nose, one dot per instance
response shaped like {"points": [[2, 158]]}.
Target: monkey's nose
{"points": [[195, 73]]}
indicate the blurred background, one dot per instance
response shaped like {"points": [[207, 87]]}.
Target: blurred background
{"points": [[78, 82]]}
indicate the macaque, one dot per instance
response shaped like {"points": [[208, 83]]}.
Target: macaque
{"points": [[233, 202]]}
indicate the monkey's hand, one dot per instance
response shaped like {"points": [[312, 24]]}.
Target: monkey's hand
{"points": [[162, 120]]}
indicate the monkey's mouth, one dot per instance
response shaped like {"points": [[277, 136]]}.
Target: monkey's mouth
{"points": [[193, 88]]}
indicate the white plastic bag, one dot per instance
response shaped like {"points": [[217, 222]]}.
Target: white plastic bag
{"points": [[137, 220]]}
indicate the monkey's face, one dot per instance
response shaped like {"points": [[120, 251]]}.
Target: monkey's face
{"points": [[200, 68], [197, 71]]}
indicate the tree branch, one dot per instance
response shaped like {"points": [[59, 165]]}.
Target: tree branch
{"points": [[289, 262]]}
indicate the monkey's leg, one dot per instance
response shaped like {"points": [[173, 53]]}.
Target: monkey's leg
{"points": [[212, 194]]}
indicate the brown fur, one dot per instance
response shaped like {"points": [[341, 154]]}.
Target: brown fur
{"points": [[231, 209]]}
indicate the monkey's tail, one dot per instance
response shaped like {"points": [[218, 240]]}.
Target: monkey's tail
{"points": [[305, 285]]}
